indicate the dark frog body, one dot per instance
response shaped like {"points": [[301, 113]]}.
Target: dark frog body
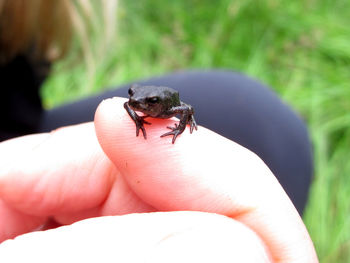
{"points": [[159, 102]]}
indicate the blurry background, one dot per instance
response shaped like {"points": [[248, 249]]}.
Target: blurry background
{"points": [[299, 48]]}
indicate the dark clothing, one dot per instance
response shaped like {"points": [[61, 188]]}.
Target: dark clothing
{"points": [[226, 102], [20, 104]]}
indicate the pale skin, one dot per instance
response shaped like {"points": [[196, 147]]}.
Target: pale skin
{"points": [[100, 169]]}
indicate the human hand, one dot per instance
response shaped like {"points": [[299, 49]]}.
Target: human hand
{"points": [[66, 177]]}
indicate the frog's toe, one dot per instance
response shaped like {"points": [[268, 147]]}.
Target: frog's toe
{"points": [[144, 121], [168, 133], [174, 138], [173, 128], [193, 126], [175, 132], [143, 131]]}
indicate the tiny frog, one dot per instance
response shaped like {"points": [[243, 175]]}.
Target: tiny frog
{"points": [[158, 102]]}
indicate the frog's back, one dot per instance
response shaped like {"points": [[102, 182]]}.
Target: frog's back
{"points": [[163, 92]]}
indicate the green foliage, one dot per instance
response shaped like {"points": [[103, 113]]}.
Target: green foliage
{"points": [[300, 48]]}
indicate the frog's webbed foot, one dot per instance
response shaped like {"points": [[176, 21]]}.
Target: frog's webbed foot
{"points": [[139, 122], [177, 130]]}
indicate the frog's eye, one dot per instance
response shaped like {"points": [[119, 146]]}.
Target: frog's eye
{"points": [[131, 92], [152, 100]]}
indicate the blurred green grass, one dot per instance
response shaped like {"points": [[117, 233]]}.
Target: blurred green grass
{"points": [[300, 48]]}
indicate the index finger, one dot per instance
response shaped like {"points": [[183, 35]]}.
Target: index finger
{"points": [[204, 172]]}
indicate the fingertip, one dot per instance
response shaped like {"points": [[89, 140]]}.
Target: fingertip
{"points": [[109, 113]]}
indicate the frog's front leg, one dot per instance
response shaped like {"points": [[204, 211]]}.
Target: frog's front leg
{"points": [[139, 120], [186, 117]]}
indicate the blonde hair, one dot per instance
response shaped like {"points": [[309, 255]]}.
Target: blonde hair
{"points": [[45, 29]]}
